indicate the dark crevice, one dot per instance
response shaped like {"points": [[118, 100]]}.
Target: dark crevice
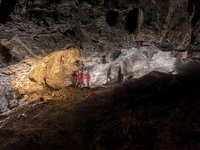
{"points": [[190, 7], [104, 59], [53, 1], [38, 14], [5, 53], [70, 33], [6, 8], [116, 54], [193, 7], [111, 18], [132, 20], [196, 16]]}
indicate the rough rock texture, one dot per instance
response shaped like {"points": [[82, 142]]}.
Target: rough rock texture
{"points": [[120, 41], [53, 71], [130, 64], [32, 28], [8, 77], [102, 25], [16, 61], [106, 32], [155, 112]]}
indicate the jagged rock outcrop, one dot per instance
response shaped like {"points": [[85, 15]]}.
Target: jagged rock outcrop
{"points": [[16, 50]]}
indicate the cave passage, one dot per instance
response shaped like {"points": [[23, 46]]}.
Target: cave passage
{"points": [[111, 18], [131, 20], [6, 8]]}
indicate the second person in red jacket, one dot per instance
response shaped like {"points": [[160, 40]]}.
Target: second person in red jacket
{"points": [[79, 80]]}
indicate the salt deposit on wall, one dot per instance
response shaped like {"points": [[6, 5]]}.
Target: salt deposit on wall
{"points": [[132, 63]]}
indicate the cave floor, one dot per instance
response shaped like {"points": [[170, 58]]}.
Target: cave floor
{"points": [[157, 111]]}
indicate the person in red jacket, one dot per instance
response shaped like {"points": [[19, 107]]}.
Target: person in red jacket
{"points": [[87, 77], [79, 80]]}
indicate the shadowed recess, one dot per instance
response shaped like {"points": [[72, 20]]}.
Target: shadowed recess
{"points": [[193, 7], [6, 8], [5, 54], [131, 20], [111, 18]]}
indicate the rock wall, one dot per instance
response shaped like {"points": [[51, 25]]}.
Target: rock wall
{"points": [[119, 40], [102, 25], [130, 64], [55, 70], [16, 60], [9, 77]]}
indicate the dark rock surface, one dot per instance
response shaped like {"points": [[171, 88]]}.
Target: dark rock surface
{"points": [[157, 111], [101, 25]]}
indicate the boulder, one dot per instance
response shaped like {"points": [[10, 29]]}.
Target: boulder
{"points": [[52, 71]]}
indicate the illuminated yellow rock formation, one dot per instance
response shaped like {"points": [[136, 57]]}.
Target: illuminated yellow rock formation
{"points": [[53, 71]]}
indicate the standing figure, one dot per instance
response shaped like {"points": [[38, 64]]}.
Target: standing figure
{"points": [[79, 80], [74, 78], [87, 77]]}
